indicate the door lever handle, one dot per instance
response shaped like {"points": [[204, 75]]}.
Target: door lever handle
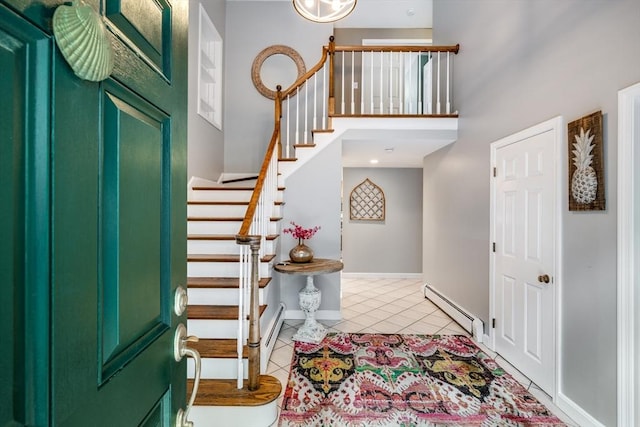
{"points": [[544, 278], [180, 350]]}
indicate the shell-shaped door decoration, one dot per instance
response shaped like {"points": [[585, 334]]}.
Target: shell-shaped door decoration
{"points": [[83, 40]]}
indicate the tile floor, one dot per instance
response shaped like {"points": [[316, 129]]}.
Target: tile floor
{"points": [[389, 306]]}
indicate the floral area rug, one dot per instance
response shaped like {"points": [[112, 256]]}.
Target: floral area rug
{"points": [[404, 380]]}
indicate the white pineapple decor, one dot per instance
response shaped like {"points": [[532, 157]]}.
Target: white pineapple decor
{"points": [[584, 183]]}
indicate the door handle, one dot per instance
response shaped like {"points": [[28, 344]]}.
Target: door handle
{"points": [[543, 278], [180, 350]]}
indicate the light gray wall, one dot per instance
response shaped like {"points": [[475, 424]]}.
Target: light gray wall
{"points": [[312, 196], [520, 63], [395, 244], [206, 142], [252, 26]]}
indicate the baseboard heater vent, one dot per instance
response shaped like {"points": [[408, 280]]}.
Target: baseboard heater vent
{"points": [[470, 323]]}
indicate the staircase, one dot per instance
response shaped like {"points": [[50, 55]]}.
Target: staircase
{"points": [[215, 213]]}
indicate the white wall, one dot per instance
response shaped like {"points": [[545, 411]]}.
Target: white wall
{"points": [[252, 26], [521, 63], [312, 197], [395, 244], [205, 141]]}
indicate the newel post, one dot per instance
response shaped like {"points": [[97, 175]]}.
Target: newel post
{"points": [[254, 317], [332, 98], [278, 118]]}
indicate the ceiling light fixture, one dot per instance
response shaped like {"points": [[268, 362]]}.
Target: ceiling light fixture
{"points": [[324, 10]]}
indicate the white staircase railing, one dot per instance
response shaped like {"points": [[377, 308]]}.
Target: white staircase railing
{"points": [[384, 81]]}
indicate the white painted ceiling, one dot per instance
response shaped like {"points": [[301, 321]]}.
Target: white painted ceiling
{"points": [[408, 147]]}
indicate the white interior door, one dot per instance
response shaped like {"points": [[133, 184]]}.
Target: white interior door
{"points": [[523, 231]]}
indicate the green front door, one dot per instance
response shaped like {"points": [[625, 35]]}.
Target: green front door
{"points": [[110, 178]]}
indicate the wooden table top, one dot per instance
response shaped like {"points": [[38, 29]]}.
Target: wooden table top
{"points": [[315, 266]]}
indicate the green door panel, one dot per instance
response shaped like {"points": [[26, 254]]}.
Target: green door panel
{"points": [[24, 221], [119, 236]]}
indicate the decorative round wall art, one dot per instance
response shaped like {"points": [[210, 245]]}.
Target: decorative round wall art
{"points": [[266, 53], [83, 40]]}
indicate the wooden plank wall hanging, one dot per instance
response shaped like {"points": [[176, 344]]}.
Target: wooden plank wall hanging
{"points": [[366, 202], [586, 164]]}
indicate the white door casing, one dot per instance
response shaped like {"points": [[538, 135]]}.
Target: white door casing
{"points": [[524, 269], [628, 255]]}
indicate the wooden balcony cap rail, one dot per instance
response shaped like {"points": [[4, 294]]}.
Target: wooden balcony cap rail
{"points": [[454, 49]]}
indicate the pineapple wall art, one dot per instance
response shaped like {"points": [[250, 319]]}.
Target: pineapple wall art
{"points": [[586, 175]]}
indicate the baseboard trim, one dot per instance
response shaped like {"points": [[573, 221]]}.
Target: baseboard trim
{"points": [[269, 340], [575, 412], [381, 275], [320, 315], [471, 323]]}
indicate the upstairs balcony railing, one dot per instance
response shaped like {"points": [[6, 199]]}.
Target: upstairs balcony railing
{"points": [[363, 81], [367, 81]]}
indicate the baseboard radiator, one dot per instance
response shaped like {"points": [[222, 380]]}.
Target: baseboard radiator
{"points": [[470, 323]]}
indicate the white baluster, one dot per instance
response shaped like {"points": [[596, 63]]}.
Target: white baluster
{"points": [[438, 87], [324, 96], [362, 82], [411, 91], [353, 69], [288, 128], [297, 139], [371, 91], [305, 135], [315, 101], [448, 87], [381, 81], [390, 82], [342, 104]]}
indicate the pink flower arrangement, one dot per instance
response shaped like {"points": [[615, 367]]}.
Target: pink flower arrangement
{"points": [[301, 233]]}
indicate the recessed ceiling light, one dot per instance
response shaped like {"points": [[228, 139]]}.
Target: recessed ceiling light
{"points": [[411, 12], [389, 150], [373, 161]]}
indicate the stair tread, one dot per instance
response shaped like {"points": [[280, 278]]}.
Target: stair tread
{"points": [[224, 203], [309, 145], [222, 237], [220, 282], [287, 159], [222, 392], [230, 219], [227, 188], [215, 312], [218, 348], [222, 258]]}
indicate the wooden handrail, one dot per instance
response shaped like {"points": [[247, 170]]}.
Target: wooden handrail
{"points": [[253, 202], [453, 49], [303, 78]]}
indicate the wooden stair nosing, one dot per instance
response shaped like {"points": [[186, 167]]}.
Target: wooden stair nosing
{"points": [[219, 203], [231, 188], [216, 392], [217, 348], [220, 282], [227, 219], [223, 258], [223, 237], [215, 312], [287, 159], [322, 131], [309, 145]]}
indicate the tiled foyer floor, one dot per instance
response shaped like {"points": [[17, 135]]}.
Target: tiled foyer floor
{"points": [[388, 306]]}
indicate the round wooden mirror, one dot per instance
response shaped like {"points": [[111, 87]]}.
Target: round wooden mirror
{"points": [[265, 54]]}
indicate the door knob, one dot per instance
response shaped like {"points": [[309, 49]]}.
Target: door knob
{"points": [[543, 278], [180, 350]]}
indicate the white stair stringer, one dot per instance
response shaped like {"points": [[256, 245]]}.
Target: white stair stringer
{"points": [[212, 249], [433, 133], [235, 416]]}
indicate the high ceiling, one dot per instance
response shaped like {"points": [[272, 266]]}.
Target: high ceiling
{"points": [[385, 14], [393, 147]]}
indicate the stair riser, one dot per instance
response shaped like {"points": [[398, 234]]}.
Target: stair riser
{"points": [[219, 296], [226, 195], [213, 329], [234, 416], [221, 195], [208, 211], [222, 269], [217, 368], [221, 247], [222, 227]]}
